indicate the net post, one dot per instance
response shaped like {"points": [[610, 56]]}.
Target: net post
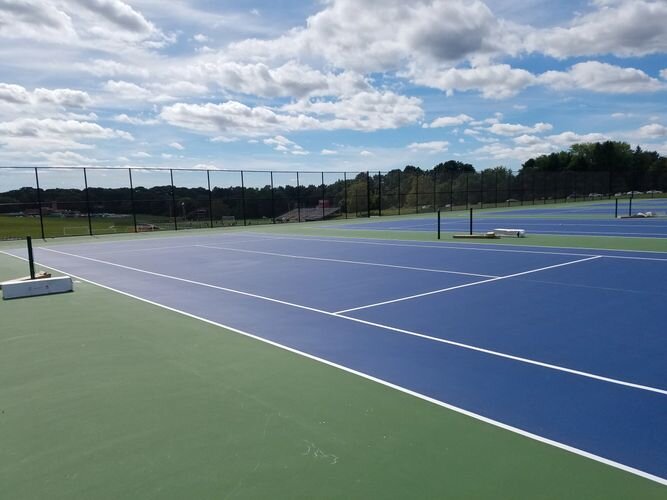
{"points": [[630, 206], [470, 220], [616, 210], [31, 258], [438, 223]]}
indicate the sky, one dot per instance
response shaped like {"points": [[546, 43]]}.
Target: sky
{"points": [[326, 85]]}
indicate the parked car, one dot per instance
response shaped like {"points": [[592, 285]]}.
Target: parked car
{"points": [[631, 193], [653, 191]]}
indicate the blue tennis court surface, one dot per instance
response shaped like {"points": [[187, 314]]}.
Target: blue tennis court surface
{"points": [[565, 346]]}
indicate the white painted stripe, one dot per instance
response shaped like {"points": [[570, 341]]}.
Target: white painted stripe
{"points": [[381, 326], [342, 261], [476, 416], [466, 285]]}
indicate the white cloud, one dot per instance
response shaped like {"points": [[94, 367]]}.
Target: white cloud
{"points": [[59, 158], [498, 81], [291, 79], [378, 36], [429, 147], [284, 145], [567, 139], [176, 145], [449, 121], [509, 129], [127, 91], [663, 74], [364, 111], [601, 77], [328, 152], [134, 120], [624, 28], [49, 134], [103, 25], [653, 130], [16, 94], [107, 68], [201, 38], [366, 153]]}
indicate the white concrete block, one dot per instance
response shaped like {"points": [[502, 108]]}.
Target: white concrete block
{"points": [[31, 288]]}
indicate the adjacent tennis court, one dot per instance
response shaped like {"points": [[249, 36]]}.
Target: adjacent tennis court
{"points": [[622, 218], [564, 347]]}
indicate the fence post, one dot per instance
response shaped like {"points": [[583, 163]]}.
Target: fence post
{"points": [[451, 191], [345, 192], [298, 197], [85, 183], [134, 211], [39, 204], [379, 193], [210, 198], [368, 193], [435, 178], [173, 199], [438, 224], [323, 196], [399, 192], [273, 200], [481, 189], [470, 220], [467, 189], [495, 198], [245, 220], [417, 193]]}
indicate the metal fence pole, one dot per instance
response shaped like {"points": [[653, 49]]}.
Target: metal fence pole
{"points": [[451, 190], [210, 198], [345, 192], [399, 192], [173, 199], [481, 189], [39, 204], [245, 219], [134, 211], [85, 183], [379, 193], [323, 197], [438, 224], [467, 189], [298, 197], [368, 193], [417, 193], [435, 178], [496, 195], [470, 220], [273, 200]]}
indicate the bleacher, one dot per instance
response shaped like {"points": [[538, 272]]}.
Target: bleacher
{"points": [[320, 212]]}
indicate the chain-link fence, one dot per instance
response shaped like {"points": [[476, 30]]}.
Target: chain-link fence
{"points": [[51, 202]]}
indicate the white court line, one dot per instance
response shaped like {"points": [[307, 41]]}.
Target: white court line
{"points": [[379, 325], [474, 283], [423, 397], [459, 246], [361, 263]]}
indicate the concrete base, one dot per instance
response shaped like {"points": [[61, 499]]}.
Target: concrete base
{"points": [[16, 289]]}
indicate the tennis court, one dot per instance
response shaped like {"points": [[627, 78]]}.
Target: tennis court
{"points": [[592, 219], [563, 347]]}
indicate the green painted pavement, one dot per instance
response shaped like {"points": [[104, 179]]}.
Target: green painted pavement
{"points": [[104, 396]]}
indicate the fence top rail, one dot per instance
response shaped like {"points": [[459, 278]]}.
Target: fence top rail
{"points": [[179, 169]]}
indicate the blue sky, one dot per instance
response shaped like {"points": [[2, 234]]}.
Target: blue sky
{"points": [[326, 85]]}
